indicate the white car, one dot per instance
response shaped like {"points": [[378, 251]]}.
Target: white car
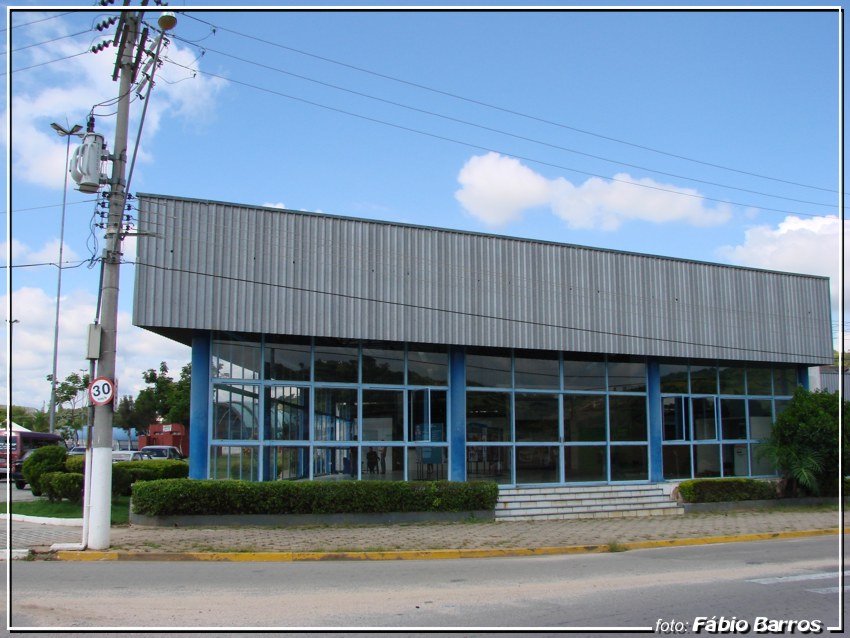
{"points": [[129, 455]]}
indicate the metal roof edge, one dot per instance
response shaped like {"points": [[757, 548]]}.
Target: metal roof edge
{"points": [[472, 233]]}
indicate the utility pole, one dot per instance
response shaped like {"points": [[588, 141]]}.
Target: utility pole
{"points": [[101, 457]]}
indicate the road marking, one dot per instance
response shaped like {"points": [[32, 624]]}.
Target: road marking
{"points": [[828, 590], [792, 579]]}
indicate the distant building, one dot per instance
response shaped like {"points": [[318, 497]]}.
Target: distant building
{"points": [[826, 378], [331, 348]]}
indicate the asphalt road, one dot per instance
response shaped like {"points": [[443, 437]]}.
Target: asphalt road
{"points": [[793, 579]]}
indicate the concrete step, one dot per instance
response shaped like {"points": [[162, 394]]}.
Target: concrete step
{"points": [[571, 489], [675, 511], [583, 496], [586, 508], [562, 502]]}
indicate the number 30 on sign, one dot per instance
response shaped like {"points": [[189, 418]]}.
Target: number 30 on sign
{"points": [[101, 391]]}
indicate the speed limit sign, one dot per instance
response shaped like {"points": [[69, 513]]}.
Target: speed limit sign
{"points": [[101, 391]]}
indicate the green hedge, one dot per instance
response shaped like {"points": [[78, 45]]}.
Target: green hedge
{"points": [[50, 458], [216, 497], [727, 489], [75, 464], [125, 473], [63, 485]]}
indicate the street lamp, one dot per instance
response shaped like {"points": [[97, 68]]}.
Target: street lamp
{"points": [[66, 134]]}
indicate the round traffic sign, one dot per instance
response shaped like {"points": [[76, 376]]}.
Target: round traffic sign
{"points": [[101, 391]]}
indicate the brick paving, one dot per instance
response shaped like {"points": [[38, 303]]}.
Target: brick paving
{"points": [[471, 535]]}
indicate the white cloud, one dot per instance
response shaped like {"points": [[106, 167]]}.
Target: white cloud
{"points": [[32, 345], [498, 189], [48, 253], [65, 93]]}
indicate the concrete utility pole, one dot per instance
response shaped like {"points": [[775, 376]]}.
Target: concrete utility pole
{"points": [[101, 458]]}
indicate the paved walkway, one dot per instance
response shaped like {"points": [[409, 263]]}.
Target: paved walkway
{"points": [[472, 535]]}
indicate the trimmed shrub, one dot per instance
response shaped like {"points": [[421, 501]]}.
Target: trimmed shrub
{"points": [[63, 485], [75, 463], [121, 480], [726, 489], [216, 497], [156, 469], [50, 458]]}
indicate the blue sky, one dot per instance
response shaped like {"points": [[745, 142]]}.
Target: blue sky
{"points": [[602, 121]]}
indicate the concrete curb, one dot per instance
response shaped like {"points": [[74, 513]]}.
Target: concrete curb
{"points": [[428, 554], [44, 520]]}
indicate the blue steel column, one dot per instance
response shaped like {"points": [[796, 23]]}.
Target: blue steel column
{"points": [[457, 418], [653, 394], [199, 407]]}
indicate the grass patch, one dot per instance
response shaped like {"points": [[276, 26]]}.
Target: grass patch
{"points": [[616, 546], [120, 509]]}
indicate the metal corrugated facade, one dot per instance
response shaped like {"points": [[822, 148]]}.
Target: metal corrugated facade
{"points": [[219, 266]]}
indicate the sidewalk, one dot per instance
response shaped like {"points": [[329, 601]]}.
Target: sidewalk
{"points": [[447, 540]]}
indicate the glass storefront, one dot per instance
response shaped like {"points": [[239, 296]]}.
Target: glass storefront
{"points": [[322, 409]]}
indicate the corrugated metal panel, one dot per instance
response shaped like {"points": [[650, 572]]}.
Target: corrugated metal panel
{"points": [[217, 266]]}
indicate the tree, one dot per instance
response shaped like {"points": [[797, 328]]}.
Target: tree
{"points": [[70, 399], [30, 418], [129, 416], [804, 442], [166, 398]]}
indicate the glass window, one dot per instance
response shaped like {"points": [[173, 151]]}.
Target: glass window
{"points": [[761, 420], [427, 366], [536, 417], [427, 419], [705, 425], [706, 461], [674, 378], [784, 381], [676, 419], [732, 380], [538, 464], [236, 412], [627, 417], [427, 463], [585, 463], [629, 463], [488, 416], [383, 365], [677, 461], [234, 462], [489, 463], [287, 361], [584, 417], [287, 413], [335, 415], [626, 376], [535, 371], [287, 463], [488, 371], [382, 463], [235, 360], [758, 381], [781, 405], [584, 375], [735, 460], [760, 462], [383, 415], [733, 418], [336, 363], [703, 380], [334, 463]]}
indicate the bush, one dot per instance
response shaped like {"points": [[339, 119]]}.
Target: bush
{"points": [[214, 497], [75, 463], [59, 485], [50, 458], [804, 442], [726, 489]]}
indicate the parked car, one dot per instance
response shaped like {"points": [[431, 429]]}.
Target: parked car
{"points": [[130, 455], [162, 452], [77, 450]]}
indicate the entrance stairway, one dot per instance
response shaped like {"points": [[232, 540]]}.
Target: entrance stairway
{"points": [[597, 501]]}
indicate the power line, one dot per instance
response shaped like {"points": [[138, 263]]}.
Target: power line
{"points": [[38, 44], [507, 110], [76, 264], [502, 132], [67, 57], [24, 24], [21, 210], [491, 150], [473, 315]]}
